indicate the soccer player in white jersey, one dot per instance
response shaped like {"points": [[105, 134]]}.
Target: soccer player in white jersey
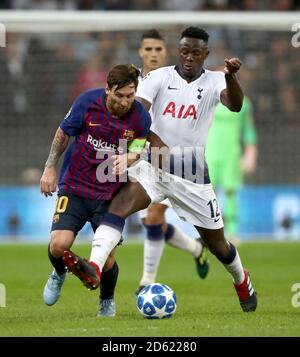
{"points": [[183, 99], [153, 53]]}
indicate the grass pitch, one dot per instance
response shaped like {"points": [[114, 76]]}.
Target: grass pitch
{"points": [[205, 307]]}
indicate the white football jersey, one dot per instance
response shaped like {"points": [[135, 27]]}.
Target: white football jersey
{"points": [[140, 78], [182, 112]]}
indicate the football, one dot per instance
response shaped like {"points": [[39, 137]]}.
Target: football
{"points": [[156, 301]]}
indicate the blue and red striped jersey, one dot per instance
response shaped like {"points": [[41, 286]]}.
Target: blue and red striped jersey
{"points": [[97, 133]]}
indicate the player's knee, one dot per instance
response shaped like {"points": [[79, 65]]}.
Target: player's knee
{"points": [[58, 244], [156, 214], [56, 248]]}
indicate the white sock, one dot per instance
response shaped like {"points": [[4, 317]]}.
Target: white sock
{"points": [[184, 242], [153, 250], [104, 241], [235, 268]]}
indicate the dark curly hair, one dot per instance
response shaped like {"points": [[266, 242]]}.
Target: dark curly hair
{"points": [[195, 32]]}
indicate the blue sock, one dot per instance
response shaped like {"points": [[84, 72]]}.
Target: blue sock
{"points": [[169, 232], [229, 259], [154, 231], [114, 221]]}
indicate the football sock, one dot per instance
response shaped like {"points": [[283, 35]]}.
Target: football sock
{"points": [[230, 214], [57, 263], [108, 282], [153, 249], [175, 237], [106, 237], [233, 265]]}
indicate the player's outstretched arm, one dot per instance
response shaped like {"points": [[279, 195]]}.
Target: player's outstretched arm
{"points": [[232, 97], [48, 179]]}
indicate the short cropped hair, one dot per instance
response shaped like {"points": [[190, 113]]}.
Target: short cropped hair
{"points": [[153, 33], [122, 75], [195, 32]]}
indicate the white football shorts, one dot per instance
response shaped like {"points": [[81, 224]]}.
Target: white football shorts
{"points": [[194, 203]]}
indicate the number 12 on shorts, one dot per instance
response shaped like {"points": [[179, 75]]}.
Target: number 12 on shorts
{"points": [[214, 209]]}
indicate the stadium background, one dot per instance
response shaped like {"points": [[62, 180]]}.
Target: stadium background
{"points": [[42, 73]]}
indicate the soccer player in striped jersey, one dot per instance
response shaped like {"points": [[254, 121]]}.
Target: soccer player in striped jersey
{"points": [[153, 53], [183, 98], [105, 122]]}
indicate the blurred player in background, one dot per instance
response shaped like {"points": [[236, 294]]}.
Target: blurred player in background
{"points": [[183, 99], [98, 119], [153, 53], [231, 151]]}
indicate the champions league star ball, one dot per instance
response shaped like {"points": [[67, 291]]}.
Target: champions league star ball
{"points": [[156, 301]]}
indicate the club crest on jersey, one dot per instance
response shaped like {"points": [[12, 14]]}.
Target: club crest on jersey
{"points": [[200, 93], [56, 218], [128, 135], [182, 112]]}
